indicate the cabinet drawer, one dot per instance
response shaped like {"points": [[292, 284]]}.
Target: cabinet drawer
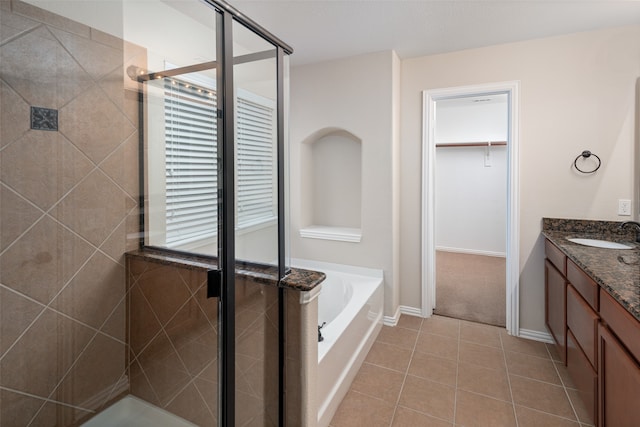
{"points": [[556, 257], [582, 321], [584, 284], [583, 376], [624, 325]]}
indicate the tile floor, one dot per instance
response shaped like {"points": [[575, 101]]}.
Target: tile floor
{"points": [[448, 372]]}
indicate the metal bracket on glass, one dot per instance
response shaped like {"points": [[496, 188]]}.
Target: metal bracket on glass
{"points": [[214, 283]]}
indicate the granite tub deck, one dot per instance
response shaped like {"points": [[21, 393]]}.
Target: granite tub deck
{"points": [[616, 271], [297, 279]]}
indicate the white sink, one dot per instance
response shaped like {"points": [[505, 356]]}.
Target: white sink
{"points": [[600, 243]]}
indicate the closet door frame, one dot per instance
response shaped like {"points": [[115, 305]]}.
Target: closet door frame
{"points": [[430, 97]]}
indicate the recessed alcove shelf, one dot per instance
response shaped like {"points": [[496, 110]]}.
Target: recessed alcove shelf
{"points": [[331, 161], [326, 232]]}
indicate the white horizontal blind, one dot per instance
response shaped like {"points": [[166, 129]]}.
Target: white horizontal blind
{"points": [[256, 165], [191, 162]]}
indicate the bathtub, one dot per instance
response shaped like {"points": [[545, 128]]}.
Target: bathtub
{"points": [[351, 304]]}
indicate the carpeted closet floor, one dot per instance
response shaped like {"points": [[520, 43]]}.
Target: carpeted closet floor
{"points": [[471, 287]]}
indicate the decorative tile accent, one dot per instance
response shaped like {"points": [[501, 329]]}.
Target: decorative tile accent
{"points": [[44, 119]]}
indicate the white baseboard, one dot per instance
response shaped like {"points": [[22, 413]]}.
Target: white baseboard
{"points": [[392, 320], [411, 311], [471, 251], [536, 335]]}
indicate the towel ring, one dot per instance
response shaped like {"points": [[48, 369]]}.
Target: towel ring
{"points": [[585, 155]]}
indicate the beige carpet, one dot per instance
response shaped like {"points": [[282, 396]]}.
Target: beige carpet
{"points": [[471, 287]]}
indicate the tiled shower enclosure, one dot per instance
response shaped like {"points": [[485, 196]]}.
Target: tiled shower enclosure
{"points": [[68, 203]]}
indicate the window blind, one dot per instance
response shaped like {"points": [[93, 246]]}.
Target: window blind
{"points": [[191, 162]]}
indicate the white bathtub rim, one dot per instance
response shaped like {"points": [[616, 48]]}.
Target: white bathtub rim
{"points": [[341, 268], [332, 331]]}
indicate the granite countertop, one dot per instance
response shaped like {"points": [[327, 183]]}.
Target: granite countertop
{"points": [[298, 279], [616, 271]]}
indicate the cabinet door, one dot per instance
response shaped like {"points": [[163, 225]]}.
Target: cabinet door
{"points": [[618, 383], [582, 374], [556, 307]]}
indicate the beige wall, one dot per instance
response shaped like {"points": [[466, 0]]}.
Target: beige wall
{"points": [[356, 95], [577, 92]]}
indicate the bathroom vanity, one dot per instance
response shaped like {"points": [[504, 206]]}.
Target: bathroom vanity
{"points": [[592, 310]]}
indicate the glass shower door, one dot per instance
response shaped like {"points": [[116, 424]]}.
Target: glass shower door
{"points": [[174, 326], [256, 228]]}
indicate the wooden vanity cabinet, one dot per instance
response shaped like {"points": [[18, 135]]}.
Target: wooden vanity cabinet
{"points": [[555, 297], [582, 335], [555, 307], [597, 338], [619, 366]]}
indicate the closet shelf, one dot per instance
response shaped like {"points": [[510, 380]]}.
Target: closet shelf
{"points": [[473, 144]]}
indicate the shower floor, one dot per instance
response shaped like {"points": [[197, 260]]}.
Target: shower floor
{"points": [[133, 412]]}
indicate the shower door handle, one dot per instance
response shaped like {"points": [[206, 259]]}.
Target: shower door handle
{"points": [[214, 283]]}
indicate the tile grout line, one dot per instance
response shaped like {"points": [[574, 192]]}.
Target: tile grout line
{"points": [[406, 373], [506, 366], [564, 388], [455, 390]]}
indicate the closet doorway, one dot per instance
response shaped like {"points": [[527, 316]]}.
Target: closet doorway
{"points": [[470, 268]]}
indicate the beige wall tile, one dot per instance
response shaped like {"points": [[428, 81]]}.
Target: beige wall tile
{"points": [[94, 124], [43, 166], [16, 314], [94, 292], [50, 18], [43, 354], [143, 324], [189, 405], [37, 67], [95, 58], [42, 260], [17, 215], [94, 374], [15, 118], [18, 409]]}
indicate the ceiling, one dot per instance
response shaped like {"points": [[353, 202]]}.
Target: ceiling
{"points": [[320, 30]]}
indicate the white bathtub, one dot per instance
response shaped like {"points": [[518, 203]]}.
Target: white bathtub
{"points": [[351, 304]]}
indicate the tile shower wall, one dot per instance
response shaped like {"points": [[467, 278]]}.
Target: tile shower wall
{"points": [[68, 201], [173, 333]]}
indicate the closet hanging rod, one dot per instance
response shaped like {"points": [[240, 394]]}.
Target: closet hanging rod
{"points": [[473, 144]]}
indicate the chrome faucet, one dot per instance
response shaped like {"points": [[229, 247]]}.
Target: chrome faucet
{"points": [[635, 224]]}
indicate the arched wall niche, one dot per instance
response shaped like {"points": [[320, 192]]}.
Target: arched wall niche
{"points": [[331, 185]]}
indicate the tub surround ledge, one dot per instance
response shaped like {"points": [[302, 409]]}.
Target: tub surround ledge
{"points": [[297, 279], [616, 271]]}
